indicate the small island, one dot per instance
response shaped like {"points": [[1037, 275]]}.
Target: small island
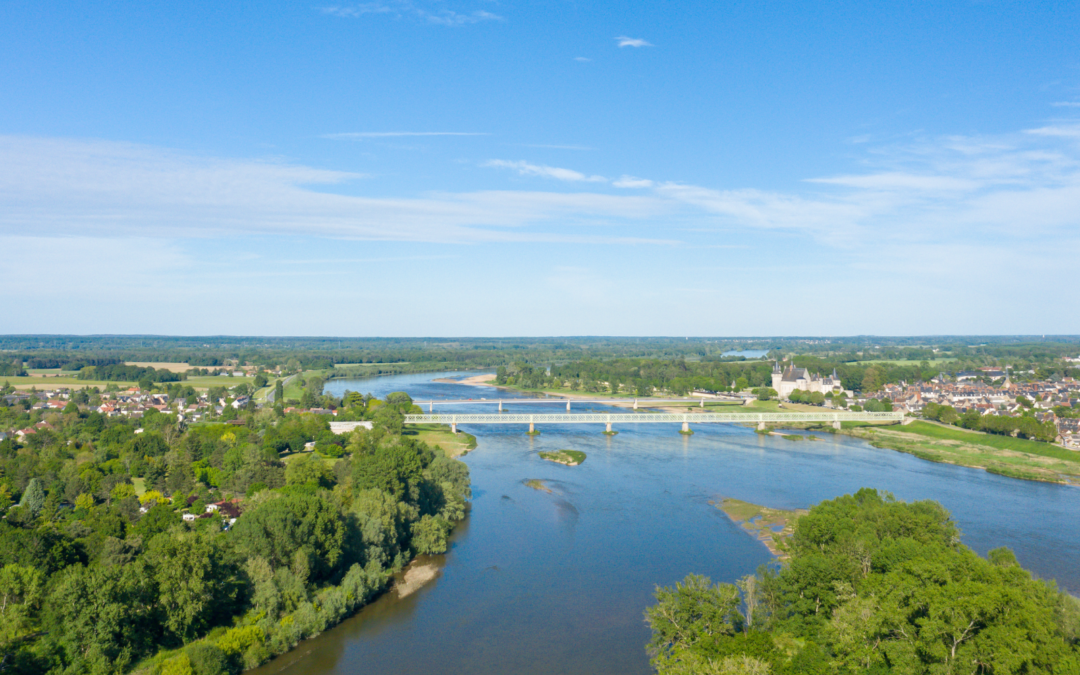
{"points": [[567, 457], [769, 526]]}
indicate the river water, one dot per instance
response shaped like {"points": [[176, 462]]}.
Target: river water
{"points": [[539, 582]]}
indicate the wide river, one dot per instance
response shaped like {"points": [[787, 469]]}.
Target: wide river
{"points": [[555, 583]]}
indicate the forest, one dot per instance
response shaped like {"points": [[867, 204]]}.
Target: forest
{"points": [[870, 585], [148, 546]]}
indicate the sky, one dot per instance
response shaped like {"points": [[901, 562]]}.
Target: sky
{"points": [[503, 168]]}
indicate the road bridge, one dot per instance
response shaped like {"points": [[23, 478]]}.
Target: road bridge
{"points": [[609, 419], [700, 400]]}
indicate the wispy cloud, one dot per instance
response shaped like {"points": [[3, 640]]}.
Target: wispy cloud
{"points": [[899, 181], [1066, 104], [526, 169], [548, 146], [100, 188], [625, 41], [438, 15], [359, 135], [631, 182], [1067, 131], [582, 59]]}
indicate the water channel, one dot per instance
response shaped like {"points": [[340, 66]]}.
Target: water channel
{"points": [[551, 583]]}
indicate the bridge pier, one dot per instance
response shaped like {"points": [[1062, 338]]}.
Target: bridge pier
{"points": [[702, 401], [532, 430], [607, 428], [500, 405], [686, 430], [431, 406], [567, 405], [836, 425], [635, 404], [453, 427], [761, 426]]}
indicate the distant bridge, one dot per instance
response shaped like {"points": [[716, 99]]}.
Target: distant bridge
{"points": [[700, 400], [608, 419]]}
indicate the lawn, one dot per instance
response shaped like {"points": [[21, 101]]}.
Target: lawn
{"points": [[1017, 458], [991, 440], [440, 436]]}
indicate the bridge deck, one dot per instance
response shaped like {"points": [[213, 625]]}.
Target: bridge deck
{"points": [[651, 418]]}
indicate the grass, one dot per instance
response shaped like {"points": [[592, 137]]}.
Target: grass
{"points": [[769, 526], [440, 436], [798, 437], [43, 383], [567, 457], [1002, 455], [991, 440], [140, 486]]}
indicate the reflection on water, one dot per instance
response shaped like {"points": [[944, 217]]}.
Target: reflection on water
{"points": [[556, 582]]}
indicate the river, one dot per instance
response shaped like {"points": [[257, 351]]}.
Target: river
{"points": [[551, 583]]}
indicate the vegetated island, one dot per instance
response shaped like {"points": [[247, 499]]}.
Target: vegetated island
{"points": [[538, 485], [567, 457], [769, 526]]}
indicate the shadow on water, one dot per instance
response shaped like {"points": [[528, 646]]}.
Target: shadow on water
{"points": [[540, 582]]}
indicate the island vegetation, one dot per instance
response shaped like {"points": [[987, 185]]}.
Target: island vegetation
{"points": [[567, 457], [871, 585]]}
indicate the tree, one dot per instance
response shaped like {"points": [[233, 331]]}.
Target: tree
{"points": [[193, 583], [695, 609], [21, 590], [308, 470], [276, 529], [429, 535], [33, 498]]}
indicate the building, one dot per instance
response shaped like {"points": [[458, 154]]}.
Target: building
{"points": [[792, 378]]}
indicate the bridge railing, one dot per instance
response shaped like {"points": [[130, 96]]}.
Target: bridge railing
{"points": [[651, 418]]}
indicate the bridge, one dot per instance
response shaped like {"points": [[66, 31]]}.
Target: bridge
{"points": [[609, 419], [700, 400]]}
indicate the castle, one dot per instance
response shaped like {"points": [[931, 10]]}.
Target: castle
{"points": [[792, 378]]}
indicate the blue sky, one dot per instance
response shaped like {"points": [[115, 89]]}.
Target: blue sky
{"points": [[486, 167]]}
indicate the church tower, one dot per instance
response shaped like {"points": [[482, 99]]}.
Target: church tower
{"points": [[777, 376]]}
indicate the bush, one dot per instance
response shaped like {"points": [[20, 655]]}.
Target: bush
{"points": [[208, 659]]}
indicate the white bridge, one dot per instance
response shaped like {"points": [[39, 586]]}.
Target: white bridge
{"points": [[608, 419]]}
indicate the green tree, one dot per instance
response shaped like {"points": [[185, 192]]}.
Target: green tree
{"points": [[33, 498], [193, 583], [21, 591], [694, 610], [430, 534], [275, 530]]}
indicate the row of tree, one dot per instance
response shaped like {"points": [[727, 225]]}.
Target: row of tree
{"points": [[1023, 426], [872, 585]]}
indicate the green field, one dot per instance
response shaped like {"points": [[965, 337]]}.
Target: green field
{"points": [[71, 382], [1014, 457], [992, 440], [440, 436]]}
